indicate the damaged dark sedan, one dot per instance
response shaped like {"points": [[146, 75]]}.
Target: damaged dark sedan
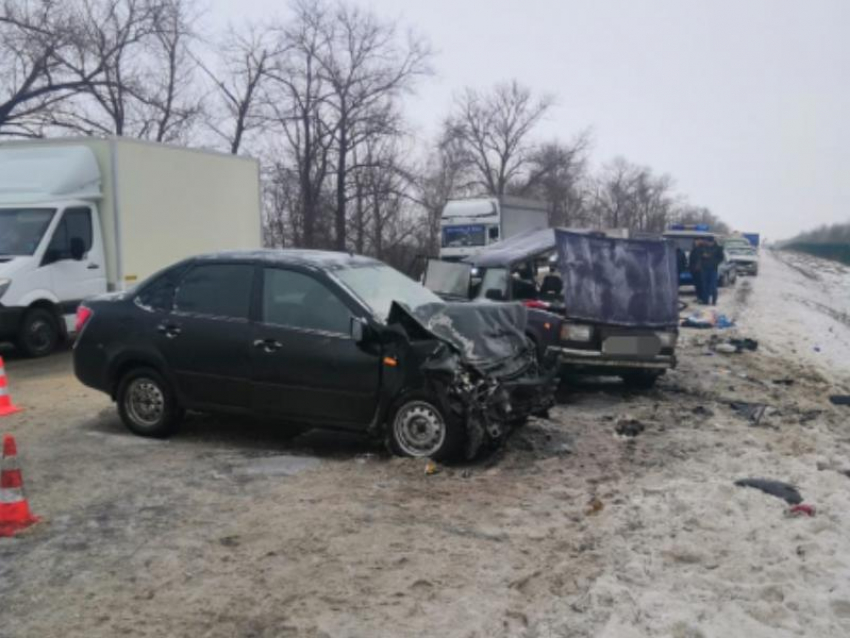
{"points": [[313, 339]]}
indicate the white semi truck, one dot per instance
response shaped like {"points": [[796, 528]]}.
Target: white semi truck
{"points": [[468, 225], [83, 216]]}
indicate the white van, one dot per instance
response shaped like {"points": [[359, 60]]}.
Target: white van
{"points": [[80, 217]]}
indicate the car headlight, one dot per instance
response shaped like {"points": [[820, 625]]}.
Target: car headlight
{"points": [[4, 286], [574, 332], [667, 339]]}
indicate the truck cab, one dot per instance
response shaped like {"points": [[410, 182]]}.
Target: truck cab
{"points": [[51, 245], [470, 225]]}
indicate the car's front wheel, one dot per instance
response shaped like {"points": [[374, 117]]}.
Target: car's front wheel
{"points": [[419, 428], [39, 333], [147, 404]]}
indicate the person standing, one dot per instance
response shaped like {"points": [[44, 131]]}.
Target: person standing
{"points": [[695, 268], [711, 256]]}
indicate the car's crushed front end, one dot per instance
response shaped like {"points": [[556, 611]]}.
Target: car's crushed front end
{"points": [[476, 360]]}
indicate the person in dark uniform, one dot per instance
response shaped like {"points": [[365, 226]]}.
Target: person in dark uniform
{"points": [[695, 268], [711, 257]]}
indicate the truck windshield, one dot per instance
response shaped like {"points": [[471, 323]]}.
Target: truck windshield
{"points": [[467, 235], [21, 229], [378, 285]]}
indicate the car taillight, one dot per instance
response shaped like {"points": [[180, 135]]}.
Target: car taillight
{"points": [[533, 303], [83, 316]]}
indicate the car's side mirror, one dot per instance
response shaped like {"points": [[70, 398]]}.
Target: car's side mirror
{"points": [[78, 249], [358, 329]]}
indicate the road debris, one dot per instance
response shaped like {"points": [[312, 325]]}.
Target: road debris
{"points": [[785, 491], [801, 510], [840, 399], [754, 412], [630, 427], [594, 506], [431, 468]]}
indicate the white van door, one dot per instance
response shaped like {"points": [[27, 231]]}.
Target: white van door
{"points": [[75, 258]]}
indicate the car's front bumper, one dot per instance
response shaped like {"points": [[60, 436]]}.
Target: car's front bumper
{"points": [[597, 360], [746, 267]]}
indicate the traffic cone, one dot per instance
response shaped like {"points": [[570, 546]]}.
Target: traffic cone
{"points": [[6, 406], [15, 512]]}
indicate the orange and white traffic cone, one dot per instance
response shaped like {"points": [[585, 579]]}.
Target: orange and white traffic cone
{"points": [[15, 512], [6, 405]]}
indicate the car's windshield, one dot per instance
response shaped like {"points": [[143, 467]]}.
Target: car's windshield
{"points": [[447, 278], [21, 229], [378, 285]]}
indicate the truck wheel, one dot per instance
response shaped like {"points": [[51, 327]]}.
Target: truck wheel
{"points": [[39, 333], [640, 380], [420, 429], [147, 404]]}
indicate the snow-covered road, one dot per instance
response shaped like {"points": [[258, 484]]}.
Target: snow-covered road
{"points": [[799, 308]]}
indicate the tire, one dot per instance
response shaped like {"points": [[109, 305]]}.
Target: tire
{"points": [[39, 333], [408, 435], [640, 380], [147, 404]]}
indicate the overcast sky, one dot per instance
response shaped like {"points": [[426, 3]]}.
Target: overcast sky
{"points": [[746, 103]]}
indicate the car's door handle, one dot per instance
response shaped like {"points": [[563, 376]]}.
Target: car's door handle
{"points": [[169, 330], [268, 345], [93, 266]]}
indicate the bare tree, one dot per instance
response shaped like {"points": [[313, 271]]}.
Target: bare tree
{"points": [[147, 90], [494, 130], [367, 70], [296, 101], [556, 175], [45, 59], [244, 59]]}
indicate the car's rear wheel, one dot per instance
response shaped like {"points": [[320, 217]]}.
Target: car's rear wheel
{"points": [[420, 429], [39, 333], [147, 404]]}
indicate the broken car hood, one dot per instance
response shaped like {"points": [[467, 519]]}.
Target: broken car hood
{"points": [[488, 336], [621, 282]]}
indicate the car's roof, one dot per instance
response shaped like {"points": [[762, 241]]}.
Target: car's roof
{"points": [[325, 259]]}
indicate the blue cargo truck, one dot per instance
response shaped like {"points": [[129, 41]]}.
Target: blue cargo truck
{"points": [[753, 238]]}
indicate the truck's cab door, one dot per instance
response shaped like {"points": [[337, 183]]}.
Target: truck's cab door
{"points": [[74, 257]]}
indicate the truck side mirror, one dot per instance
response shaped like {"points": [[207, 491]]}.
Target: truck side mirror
{"points": [[78, 248], [358, 329]]}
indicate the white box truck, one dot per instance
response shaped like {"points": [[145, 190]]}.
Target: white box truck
{"points": [[83, 216], [468, 225]]}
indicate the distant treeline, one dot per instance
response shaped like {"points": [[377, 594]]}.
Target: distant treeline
{"points": [[837, 234], [829, 242], [836, 252]]}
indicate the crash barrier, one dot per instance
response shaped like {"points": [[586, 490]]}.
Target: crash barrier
{"points": [[6, 405], [15, 512]]}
